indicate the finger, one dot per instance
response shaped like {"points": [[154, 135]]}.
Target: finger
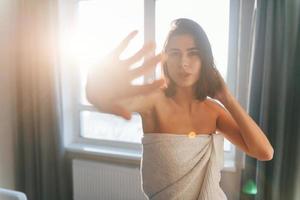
{"points": [[145, 89], [140, 54], [146, 67], [120, 111], [122, 46]]}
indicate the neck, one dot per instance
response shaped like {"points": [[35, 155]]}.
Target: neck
{"points": [[185, 97]]}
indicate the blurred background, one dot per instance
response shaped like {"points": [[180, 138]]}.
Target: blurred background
{"points": [[55, 145]]}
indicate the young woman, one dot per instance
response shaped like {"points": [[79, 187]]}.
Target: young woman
{"points": [[182, 151]]}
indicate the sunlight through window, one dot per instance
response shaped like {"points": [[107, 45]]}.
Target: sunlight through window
{"points": [[101, 25]]}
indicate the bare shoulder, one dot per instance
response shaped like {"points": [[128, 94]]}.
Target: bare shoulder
{"points": [[215, 105]]}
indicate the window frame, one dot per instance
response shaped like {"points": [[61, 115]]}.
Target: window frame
{"points": [[69, 82]]}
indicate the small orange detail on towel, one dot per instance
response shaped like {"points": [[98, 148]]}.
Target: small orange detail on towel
{"points": [[192, 134]]}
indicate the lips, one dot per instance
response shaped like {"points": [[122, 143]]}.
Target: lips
{"points": [[184, 74]]}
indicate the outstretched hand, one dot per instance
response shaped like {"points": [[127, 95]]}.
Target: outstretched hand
{"points": [[110, 82]]}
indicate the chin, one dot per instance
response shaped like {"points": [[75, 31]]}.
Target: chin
{"points": [[185, 84]]}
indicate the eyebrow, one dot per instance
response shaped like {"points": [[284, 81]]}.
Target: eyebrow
{"points": [[189, 49]]}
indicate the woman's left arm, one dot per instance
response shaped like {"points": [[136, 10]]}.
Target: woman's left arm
{"points": [[240, 128]]}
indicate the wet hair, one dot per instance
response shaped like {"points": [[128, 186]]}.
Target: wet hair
{"points": [[207, 83]]}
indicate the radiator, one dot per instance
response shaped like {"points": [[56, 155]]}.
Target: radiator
{"points": [[104, 181]]}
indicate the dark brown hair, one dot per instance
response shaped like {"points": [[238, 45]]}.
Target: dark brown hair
{"points": [[207, 84]]}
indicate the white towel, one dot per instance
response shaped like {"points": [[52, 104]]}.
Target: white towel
{"points": [[177, 167]]}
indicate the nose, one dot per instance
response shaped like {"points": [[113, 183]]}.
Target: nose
{"points": [[185, 61]]}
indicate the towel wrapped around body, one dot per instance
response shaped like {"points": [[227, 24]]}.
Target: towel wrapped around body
{"points": [[178, 167]]}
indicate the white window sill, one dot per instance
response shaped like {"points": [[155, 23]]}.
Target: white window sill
{"points": [[113, 152], [121, 153]]}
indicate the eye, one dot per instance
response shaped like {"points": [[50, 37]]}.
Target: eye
{"points": [[193, 53], [174, 54]]}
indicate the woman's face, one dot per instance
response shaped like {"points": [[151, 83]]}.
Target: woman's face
{"points": [[183, 63]]}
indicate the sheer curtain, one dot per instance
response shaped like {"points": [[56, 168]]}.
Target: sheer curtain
{"points": [[41, 165]]}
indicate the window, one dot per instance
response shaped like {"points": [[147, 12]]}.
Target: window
{"points": [[97, 21], [100, 25]]}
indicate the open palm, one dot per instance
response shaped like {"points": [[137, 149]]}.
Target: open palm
{"points": [[111, 80]]}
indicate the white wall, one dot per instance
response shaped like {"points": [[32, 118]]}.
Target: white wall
{"points": [[7, 89]]}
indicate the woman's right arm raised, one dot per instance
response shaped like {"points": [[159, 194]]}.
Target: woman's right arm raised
{"points": [[109, 86]]}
